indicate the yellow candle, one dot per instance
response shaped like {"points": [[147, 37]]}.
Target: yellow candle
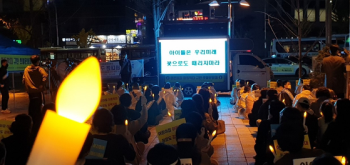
{"points": [[343, 160], [62, 134], [126, 125], [305, 114]]}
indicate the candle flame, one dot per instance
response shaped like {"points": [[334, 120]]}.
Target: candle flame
{"points": [[321, 113], [343, 160], [153, 95], [80, 92], [247, 83], [215, 94], [164, 92], [305, 114], [284, 100], [145, 88], [113, 86], [214, 133], [126, 122], [271, 149], [208, 87], [169, 114], [210, 100]]}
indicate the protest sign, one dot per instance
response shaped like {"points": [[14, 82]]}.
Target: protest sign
{"points": [[16, 62], [4, 128], [307, 144], [98, 149], [109, 101], [308, 161], [177, 114], [167, 132], [279, 152], [273, 84]]}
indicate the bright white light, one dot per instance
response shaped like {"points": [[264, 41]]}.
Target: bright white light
{"points": [[214, 3], [91, 47], [208, 54], [103, 46], [244, 3], [118, 47]]}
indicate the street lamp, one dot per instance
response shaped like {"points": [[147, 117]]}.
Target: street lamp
{"points": [[214, 3], [244, 3]]}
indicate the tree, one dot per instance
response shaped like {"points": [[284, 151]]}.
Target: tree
{"points": [[84, 38], [24, 33]]}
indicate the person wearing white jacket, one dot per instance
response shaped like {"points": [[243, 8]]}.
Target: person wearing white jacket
{"points": [[305, 93], [251, 98], [242, 102], [136, 95], [169, 98]]}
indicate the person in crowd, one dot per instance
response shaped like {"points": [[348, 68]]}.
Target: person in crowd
{"points": [[299, 88], [105, 89], [126, 100], [336, 138], [162, 154], [125, 71], [34, 78], [237, 92], [264, 133], [290, 137], [19, 145], [136, 94], [290, 115], [242, 103], [187, 107], [252, 98], [334, 67], [178, 93], [264, 109], [234, 93], [322, 94], [209, 107], [185, 137], [326, 159], [120, 89], [286, 95], [211, 88], [169, 98], [326, 118], [157, 108], [256, 106], [306, 92], [85, 150], [118, 146], [2, 154], [303, 105], [148, 93], [198, 100], [4, 86], [280, 86]]}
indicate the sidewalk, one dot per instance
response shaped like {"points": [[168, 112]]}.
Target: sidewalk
{"points": [[18, 104], [234, 147]]}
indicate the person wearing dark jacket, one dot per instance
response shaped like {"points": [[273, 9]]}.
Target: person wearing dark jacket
{"points": [[256, 106], [125, 71], [4, 86], [271, 96], [34, 79]]}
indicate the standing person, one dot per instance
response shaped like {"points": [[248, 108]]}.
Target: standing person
{"points": [[4, 86], [34, 79], [125, 71], [334, 67]]}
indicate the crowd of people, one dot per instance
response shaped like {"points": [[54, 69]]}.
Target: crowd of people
{"points": [[287, 116]]}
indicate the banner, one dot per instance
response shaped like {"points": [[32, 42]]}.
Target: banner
{"points": [[17, 63], [308, 161], [109, 101], [197, 78], [167, 133], [111, 70], [4, 128]]}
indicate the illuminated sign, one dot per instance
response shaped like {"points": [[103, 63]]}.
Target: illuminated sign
{"points": [[192, 56]]}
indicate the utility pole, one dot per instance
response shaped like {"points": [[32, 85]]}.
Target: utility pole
{"points": [[328, 22], [299, 39]]}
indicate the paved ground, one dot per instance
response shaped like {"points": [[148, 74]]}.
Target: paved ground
{"points": [[235, 147]]}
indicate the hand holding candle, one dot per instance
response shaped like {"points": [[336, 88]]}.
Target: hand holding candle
{"points": [[212, 136], [305, 114], [284, 101], [272, 150], [169, 114]]}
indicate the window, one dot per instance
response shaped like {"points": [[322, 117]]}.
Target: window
{"points": [[270, 61], [249, 60], [282, 61]]}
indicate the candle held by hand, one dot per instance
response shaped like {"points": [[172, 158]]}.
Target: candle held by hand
{"points": [[305, 114], [272, 150], [126, 125], [212, 136], [169, 114]]}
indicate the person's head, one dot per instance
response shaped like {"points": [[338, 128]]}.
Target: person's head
{"points": [[323, 92], [303, 104], [241, 82], [135, 86], [177, 85], [290, 114], [102, 121], [255, 86], [272, 94], [119, 84], [119, 114], [155, 90], [196, 119], [123, 55], [290, 136], [162, 154], [342, 110], [167, 85], [327, 110], [306, 87], [125, 100], [186, 135], [35, 59], [287, 85], [275, 110], [86, 147], [263, 94], [326, 159], [2, 153], [205, 94], [48, 106], [246, 89], [22, 125], [4, 63], [204, 85], [335, 50], [211, 84], [198, 100], [187, 107], [279, 83]]}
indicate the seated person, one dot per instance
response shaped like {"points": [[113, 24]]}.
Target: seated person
{"points": [[290, 137], [256, 106], [306, 92], [125, 100], [169, 98], [162, 154], [264, 109], [187, 107], [118, 146], [286, 95], [19, 145]]}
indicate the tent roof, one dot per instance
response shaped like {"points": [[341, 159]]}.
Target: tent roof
{"points": [[7, 46]]}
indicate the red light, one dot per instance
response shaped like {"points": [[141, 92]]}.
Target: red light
{"points": [[249, 51]]}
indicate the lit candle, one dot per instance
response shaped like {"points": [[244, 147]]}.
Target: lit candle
{"points": [[145, 88], [212, 136], [62, 134], [169, 114], [321, 113], [215, 94], [126, 125], [210, 101], [153, 96], [284, 101], [343, 160], [272, 150], [305, 114], [209, 88]]}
